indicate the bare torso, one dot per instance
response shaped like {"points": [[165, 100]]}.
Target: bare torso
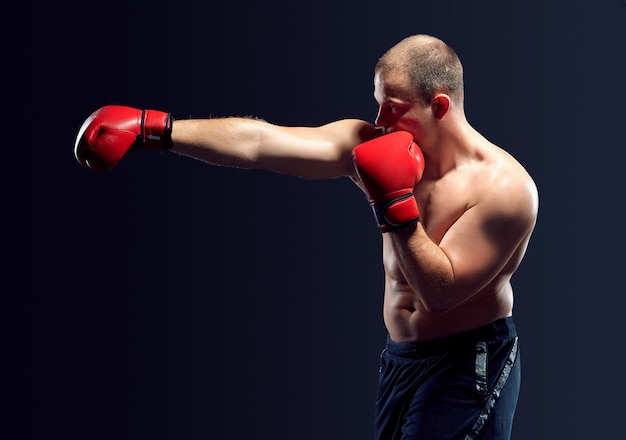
{"points": [[442, 201], [445, 202]]}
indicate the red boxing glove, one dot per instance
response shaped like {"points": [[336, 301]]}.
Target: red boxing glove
{"points": [[111, 131], [389, 167]]}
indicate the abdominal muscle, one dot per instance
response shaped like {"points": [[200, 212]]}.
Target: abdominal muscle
{"points": [[407, 320]]}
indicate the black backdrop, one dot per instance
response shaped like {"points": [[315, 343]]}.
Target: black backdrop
{"points": [[167, 299]]}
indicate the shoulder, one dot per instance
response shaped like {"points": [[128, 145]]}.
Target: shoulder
{"points": [[353, 131], [508, 191]]}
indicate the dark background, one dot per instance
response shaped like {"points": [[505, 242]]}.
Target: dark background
{"points": [[168, 299]]}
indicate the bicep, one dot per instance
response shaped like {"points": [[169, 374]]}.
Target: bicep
{"points": [[482, 241], [312, 152]]}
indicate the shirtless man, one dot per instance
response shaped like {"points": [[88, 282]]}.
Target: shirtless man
{"points": [[456, 214]]}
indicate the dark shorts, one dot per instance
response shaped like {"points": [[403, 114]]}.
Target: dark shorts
{"points": [[458, 387]]}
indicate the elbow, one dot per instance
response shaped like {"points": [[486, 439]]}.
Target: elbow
{"points": [[439, 300], [437, 307]]}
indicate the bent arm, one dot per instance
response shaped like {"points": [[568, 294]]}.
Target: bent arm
{"points": [[484, 244], [310, 152]]}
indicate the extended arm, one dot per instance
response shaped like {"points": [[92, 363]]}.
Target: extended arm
{"points": [[310, 152]]}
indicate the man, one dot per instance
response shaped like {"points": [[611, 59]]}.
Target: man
{"points": [[455, 210]]}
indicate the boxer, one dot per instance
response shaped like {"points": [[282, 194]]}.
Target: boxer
{"points": [[456, 213]]}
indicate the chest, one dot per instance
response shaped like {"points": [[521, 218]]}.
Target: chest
{"points": [[441, 203]]}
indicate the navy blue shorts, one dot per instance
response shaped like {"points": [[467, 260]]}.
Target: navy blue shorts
{"points": [[462, 387]]}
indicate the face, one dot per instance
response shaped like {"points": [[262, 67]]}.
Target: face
{"points": [[398, 109]]}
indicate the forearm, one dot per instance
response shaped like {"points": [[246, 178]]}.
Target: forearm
{"points": [[426, 268], [231, 142]]}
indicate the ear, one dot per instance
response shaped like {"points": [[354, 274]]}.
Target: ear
{"points": [[440, 105]]}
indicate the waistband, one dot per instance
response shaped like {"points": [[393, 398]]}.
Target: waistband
{"points": [[503, 328]]}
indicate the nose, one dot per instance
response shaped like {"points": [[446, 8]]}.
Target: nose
{"points": [[381, 121]]}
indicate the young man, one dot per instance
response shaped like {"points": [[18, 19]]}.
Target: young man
{"points": [[455, 210]]}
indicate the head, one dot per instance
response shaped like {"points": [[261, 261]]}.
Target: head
{"points": [[421, 76]]}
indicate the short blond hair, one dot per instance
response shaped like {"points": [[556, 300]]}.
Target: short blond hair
{"points": [[432, 66]]}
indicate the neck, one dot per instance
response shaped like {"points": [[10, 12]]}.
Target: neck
{"points": [[454, 144]]}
